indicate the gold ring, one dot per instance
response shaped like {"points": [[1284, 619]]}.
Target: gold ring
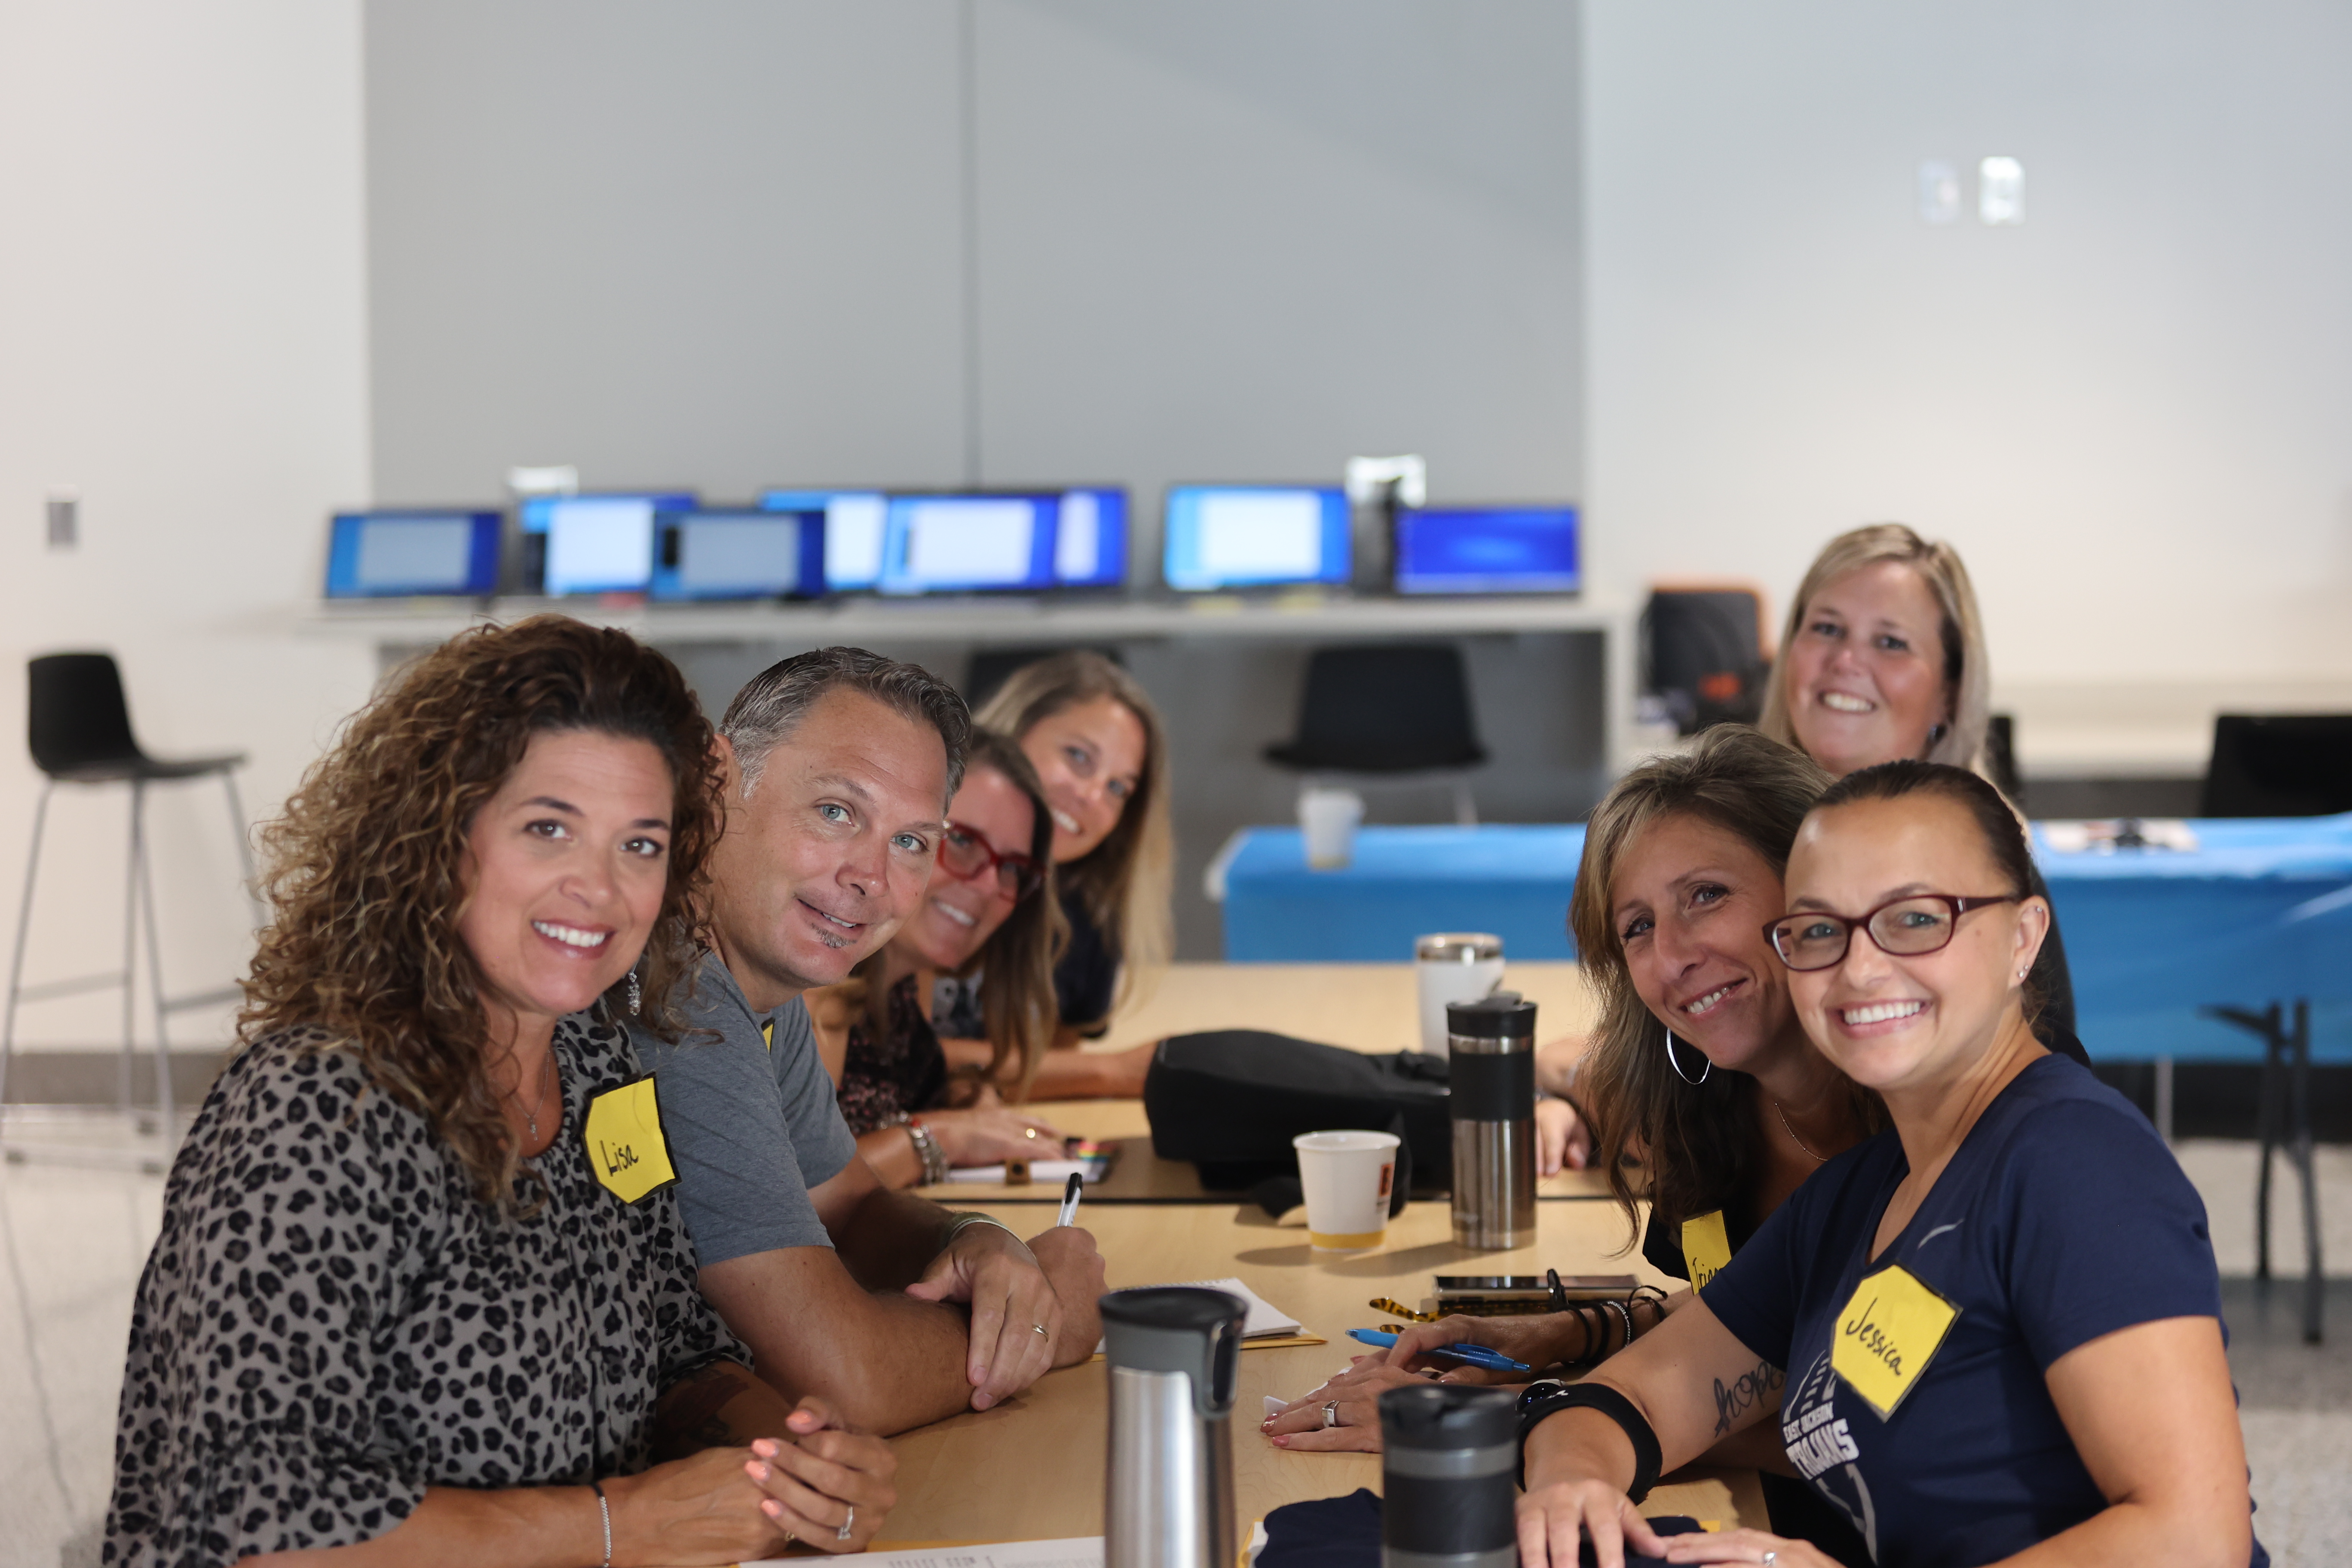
{"points": [[1040, 1328], [1031, 1131]]}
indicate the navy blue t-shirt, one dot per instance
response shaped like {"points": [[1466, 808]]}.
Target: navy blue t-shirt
{"points": [[2062, 1217]]}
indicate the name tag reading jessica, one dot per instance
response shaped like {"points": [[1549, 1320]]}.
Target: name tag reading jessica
{"points": [[626, 1146], [1706, 1246], [1886, 1335]]}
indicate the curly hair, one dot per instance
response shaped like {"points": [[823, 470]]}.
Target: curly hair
{"points": [[365, 868]]}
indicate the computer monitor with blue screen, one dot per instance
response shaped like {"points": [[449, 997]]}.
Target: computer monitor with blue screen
{"points": [[967, 543], [1487, 550], [597, 544], [738, 553], [392, 554], [852, 531], [1254, 536], [1090, 538]]}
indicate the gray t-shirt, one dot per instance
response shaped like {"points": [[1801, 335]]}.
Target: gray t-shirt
{"points": [[751, 1119]]}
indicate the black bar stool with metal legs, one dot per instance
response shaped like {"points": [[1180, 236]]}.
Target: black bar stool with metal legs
{"points": [[80, 733]]}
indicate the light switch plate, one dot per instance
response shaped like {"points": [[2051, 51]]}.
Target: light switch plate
{"points": [[2000, 191]]}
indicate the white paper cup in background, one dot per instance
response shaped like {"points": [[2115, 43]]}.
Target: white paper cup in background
{"points": [[1328, 818], [1347, 1177], [1453, 966]]}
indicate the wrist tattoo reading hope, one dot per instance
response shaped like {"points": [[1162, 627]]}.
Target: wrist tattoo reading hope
{"points": [[1734, 1400]]}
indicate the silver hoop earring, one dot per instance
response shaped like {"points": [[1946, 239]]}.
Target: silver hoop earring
{"points": [[1677, 1065], [637, 992]]}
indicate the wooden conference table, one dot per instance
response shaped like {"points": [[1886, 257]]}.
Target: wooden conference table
{"points": [[1033, 1469]]}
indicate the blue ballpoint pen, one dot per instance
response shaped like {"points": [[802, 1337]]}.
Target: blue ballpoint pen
{"points": [[1476, 1355]]}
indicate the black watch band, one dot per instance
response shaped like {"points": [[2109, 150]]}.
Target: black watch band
{"points": [[1544, 1400]]}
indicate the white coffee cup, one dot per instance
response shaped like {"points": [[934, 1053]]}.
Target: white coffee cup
{"points": [[1347, 1177], [1329, 817], [1453, 966]]}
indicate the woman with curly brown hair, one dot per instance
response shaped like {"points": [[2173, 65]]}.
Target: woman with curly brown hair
{"points": [[420, 1292]]}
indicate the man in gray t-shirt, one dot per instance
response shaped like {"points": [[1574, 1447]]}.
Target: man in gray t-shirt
{"points": [[837, 766], [744, 1189]]}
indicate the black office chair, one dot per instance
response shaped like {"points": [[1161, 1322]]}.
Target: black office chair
{"points": [[80, 734], [1386, 713], [1702, 655], [2279, 765], [992, 667]]}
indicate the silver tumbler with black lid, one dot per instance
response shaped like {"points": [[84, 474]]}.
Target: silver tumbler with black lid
{"points": [[1448, 1459], [1492, 1042], [1168, 1498]]}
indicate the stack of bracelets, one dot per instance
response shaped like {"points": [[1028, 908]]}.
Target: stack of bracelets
{"points": [[1638, 1314], [927, 1152]]}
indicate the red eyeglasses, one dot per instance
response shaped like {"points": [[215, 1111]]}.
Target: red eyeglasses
{"points": [[967, 854]]}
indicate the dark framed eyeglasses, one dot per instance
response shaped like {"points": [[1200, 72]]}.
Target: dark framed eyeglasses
{"points": [[967, 854], [1904, 928]]}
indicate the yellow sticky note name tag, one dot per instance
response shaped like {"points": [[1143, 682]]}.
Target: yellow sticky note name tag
{"points": [[626, 1146], [1886, 1335], [1706, 1247]]}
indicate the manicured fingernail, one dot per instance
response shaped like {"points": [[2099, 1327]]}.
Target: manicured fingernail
{"points": [[766, 1447], [1281, 1442], [772, 1508]]}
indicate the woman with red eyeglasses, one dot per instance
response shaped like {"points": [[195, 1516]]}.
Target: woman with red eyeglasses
{"points": [[988, 906]]}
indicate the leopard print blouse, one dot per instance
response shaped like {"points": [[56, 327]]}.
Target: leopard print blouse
{"points": [[330, 1322]]}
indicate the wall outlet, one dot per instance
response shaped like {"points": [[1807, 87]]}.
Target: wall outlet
{"points": [[1939, 192], [65, 519]]}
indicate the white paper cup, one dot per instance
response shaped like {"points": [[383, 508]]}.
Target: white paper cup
{"points": [[1347, 1177], [1453, 966], [1329, 817]]}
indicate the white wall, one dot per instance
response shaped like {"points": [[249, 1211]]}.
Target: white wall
{"points": [[181, 314], [2131, 413]]}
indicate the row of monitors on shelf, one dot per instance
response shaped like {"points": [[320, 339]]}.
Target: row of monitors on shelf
{"points": [[806, 543]]}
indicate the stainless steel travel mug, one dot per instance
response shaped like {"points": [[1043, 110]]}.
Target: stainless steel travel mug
{"points": [[1448, 1455], [1169, 1497], [1493, 1044]]}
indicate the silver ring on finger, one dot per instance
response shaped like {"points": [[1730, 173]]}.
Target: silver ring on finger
{"points": [[1330, 1413], [848, 1523], [1769, 1559], [1039, 1329]]}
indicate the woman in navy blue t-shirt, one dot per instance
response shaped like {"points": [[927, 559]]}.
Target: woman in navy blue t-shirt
{"points": [[1995, 1325]]}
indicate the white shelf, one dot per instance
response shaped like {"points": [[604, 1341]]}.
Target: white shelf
{"points": [[989, 620]]}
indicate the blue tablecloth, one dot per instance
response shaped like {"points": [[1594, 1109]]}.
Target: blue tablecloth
{"points": [[2260, 911]]}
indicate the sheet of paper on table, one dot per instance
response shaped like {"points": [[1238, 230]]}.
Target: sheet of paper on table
{"points": [[1265, 1318], [1077, 1552]]}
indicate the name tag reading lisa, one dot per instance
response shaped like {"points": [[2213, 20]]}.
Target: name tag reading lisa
{"points": [[1706, 1246], [626, 1146], [1886, 1334]]}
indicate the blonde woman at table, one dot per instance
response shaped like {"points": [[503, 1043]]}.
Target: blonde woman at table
{"points": [[404, 1306], [988, 906], [1101, 754], [1991, 1333], [1883, 657]]}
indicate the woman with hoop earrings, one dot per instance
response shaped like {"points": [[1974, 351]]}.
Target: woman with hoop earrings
{"points": [[1699, 1069]]}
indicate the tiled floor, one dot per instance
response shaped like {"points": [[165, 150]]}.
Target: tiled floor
{"points": [[74, 1238]]}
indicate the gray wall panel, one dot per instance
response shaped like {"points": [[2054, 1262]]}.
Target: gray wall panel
{"points": [[716, 243]]}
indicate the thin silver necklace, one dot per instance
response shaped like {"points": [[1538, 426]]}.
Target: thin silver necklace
{"points": [[1791, 1132], [532, 1115]]}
